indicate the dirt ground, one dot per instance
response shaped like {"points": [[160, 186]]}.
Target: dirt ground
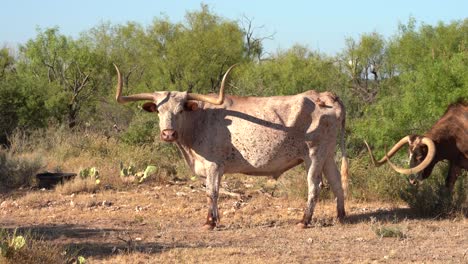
{"points": [[162, 224]]}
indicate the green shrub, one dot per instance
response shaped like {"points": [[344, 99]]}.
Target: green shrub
{"points": [[431, 198], [367, 182], [141, 130], [389, 231]]}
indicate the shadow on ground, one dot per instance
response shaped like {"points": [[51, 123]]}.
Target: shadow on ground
{"points": [[394, 215], [99, 242]]}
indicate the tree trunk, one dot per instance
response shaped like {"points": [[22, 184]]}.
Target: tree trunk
{"points": [[72, 115]]}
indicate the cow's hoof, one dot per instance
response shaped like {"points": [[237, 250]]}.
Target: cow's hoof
{"points": [[301, 225], [341, 219]]}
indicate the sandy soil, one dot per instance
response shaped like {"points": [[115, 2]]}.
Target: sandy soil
{"points": [[162, 224]]}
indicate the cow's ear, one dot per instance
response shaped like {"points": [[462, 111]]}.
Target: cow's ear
{"points": [[150, 107], [191, 106]]}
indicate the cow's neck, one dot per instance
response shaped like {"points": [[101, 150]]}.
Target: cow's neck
{"points": [[187, 135]]}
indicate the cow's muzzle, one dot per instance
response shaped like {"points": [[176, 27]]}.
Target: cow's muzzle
{"points": [[168, 135], [414, 179]]}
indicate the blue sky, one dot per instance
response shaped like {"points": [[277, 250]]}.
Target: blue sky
{"points": [[320, 25]]}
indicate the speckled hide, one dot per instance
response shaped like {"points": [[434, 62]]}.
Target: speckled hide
{"points": [[257, 136]]}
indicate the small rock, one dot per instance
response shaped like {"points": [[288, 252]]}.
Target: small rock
{"points": [[229, 212], [181, 194], [237, 204], [4, 204], [106, 203], [72, 204], [91, 204], [291, 209]]}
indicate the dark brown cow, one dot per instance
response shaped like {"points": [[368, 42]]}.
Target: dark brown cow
{"points": [[254, 136], [446, 140]]}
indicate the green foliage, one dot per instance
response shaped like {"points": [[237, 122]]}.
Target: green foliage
{"points": [[389, 231], [289, 72], [90, 172], [81, 260], [141, 130], [149, 171], [10, 245], [126, 171], [431, 65], [70, 66], [131, 173], [431, 197]]}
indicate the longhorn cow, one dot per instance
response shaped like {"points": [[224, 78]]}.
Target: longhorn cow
{"points": [[254, 136], [446, 140]]}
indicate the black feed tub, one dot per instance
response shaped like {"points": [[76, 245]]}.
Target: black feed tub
{"points": [[49, 179]]}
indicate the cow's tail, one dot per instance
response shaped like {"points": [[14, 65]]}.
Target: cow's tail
{"points": [[344, 157]]}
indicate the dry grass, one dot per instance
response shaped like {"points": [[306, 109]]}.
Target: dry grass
{"points": [[162, 224], [68, 151], [17, 170], [33, 251], [78, 185]]}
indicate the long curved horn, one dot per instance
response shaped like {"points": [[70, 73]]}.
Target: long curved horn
{"points": [[130, 98], [209, 99], [431, 150], [389, 154]]}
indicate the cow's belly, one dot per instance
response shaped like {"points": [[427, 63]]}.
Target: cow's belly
{"points": [[262, 150]]}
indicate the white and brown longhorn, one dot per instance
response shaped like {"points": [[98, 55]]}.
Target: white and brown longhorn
{"points": [[254, 136]]}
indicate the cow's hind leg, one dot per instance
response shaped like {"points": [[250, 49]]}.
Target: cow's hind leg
{"points": [[334, 179], [314, 165]]}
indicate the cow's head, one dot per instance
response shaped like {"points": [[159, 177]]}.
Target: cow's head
{"points": [[421, 153], [170, 106]]}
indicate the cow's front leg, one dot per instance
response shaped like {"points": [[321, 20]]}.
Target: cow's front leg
{"points": [[212, 192], [453, 173]]}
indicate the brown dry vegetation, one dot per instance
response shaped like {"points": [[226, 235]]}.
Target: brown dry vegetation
{"points": [[160, 221]]}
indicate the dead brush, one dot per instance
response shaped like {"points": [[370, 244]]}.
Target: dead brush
{"points": [[77, 185], [18, 170], [38, 199]]}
